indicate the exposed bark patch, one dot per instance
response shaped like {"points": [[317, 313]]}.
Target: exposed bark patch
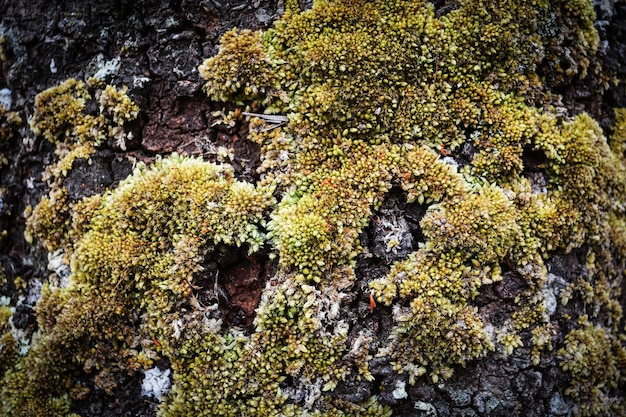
{"points": [[244, 281]]}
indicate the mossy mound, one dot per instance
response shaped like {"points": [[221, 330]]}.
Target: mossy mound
{"points": [[364, 97]]}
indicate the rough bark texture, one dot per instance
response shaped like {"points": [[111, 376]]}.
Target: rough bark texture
{"points": [[160, 45]]}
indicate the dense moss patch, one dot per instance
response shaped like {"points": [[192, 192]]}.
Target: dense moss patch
{"points": [[365, 96]]}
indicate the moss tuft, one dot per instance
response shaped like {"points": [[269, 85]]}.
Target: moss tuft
{"points": [[367, 95]]}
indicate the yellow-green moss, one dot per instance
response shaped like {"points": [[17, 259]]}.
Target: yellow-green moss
{"points": [[596, 360], [137, 252], [3, 54], [10, 121], [61, 117], [49, 220], [371, 94], [618, 138], [59, 109], [232, 374], [376, 84], [155, 224], [8, 344], [315, 228]]}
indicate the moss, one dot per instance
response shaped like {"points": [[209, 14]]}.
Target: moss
{"points": [[369, 95], [316, 227], [236, 71], [10, 121], [243, 375], [49, 220], [154, 254], [8, 344], [209, 202], [62, 117], [3, 53], [57, 109], [345, 106], [39, 383], [618, 138], [480, 227], [596, 360], [440, 329]]}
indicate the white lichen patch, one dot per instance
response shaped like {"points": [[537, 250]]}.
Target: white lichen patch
{"points": [[551, 291], [427, 409], [399, 393], [57, 265], [104, 69], [19, 335], [34, 292], [156, 383], [5, 98], [4, 301]]}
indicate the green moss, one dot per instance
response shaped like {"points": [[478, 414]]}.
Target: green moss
{"points": [[480, 227], [209, 203], [233, 374], [358, 78], [62, 118], [132, 242], [10, 121], [58, 107], [8, 344], [596, 360], [3, 53], [248, 61], [316, 227], [138, 258], [49, 220], [371, 95], [464, 78], [618, 138]]}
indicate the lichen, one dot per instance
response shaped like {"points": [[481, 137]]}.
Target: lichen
{"points": [[370, 95]]}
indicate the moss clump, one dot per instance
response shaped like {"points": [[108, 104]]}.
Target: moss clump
{"points": [[370, 95], [10, 121], [61, 112], [248, 61], [596, 360], [441, 328], [135, 255], [139, 259], [210, 205], [618, 139], [316, 227], [8, 344], [386, 87], [233, 374], [62, 116], [65, 116]]}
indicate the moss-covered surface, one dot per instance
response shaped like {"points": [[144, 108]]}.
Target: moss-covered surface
{"points": [[455, 112]]}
